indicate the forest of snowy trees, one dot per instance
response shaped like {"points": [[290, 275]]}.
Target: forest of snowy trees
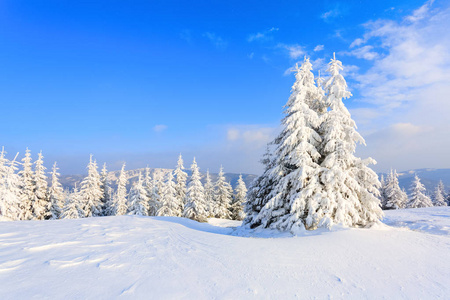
{"points": [[25, 194], [312, 177]]}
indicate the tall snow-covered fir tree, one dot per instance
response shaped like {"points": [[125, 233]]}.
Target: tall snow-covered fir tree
{"points": [[170, 203], [154, 197], [181, 178], [195, 207], [439, 195], [41, 204], [106, 200], [382, 192], [417, 197], [209, 196], [297, 189], [55, 195], [351, 187], [27, 187], [9, 189], [138, 199], [71, 208], [395, 197], [120, 198], [91, 192], [240, 197], [223, 196]]}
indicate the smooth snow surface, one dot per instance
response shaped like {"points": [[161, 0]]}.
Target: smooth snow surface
{"points": [[175, 258]]}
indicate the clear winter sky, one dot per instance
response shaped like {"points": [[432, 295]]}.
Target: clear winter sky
{"points": [[142, 81]]}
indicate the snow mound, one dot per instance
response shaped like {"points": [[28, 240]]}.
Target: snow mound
{"points": [[175, 258]]}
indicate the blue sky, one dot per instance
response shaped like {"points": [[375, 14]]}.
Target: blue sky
{"points": [[141, 81]]}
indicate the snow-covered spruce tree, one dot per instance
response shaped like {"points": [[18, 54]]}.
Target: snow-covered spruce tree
{"points": [[395, 197], [351, 186], [418, 198], [106, 200], [91, 192], [154, 197], [27, 187], [240, 197], [170, 204], [260, 190], [439, 195], [181, 178], [209, 196], [41, 204], [55, 195], [195, 207], [223, 196], [138, 199], [120, 198], [9, 189], [383, 198], [71, 208], [297, 190]]}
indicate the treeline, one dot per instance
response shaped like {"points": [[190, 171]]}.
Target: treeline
{"points": [[25, 194], [393, 197]]}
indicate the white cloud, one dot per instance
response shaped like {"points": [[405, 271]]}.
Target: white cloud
{"points": [[421, 12], [331, 14], [216, 40], [364, 52], [262, 36], [250, 137], [159, 128], [294, 51], [318, 48]]}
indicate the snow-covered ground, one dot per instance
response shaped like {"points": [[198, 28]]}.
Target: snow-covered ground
{"points": [[174, 258]]}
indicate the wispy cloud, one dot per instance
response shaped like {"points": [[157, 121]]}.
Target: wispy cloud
{"points": [[338, 10], [365, 52], [262, 36], [294, 51], [159, 128], [318, 48], [216, 40]]}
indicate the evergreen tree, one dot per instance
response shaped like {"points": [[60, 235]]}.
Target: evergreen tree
{"points": [[138, 199], [181, 178], [56, 195], [27, 187], [209, 196], [439, 195], [91, 192], [71, 208], [395, 197], [383, 198], [41, 204], [154, 197], [297, 189], [223, 196], [106, 200], [195, 207], [418, 197], [170, 203], [120, 198], [9, 189], [237, 211], [351, 186]]}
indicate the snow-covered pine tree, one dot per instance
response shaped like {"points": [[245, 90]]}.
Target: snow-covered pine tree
{"points": [[240, 197], [181, 178], [209, 196], [418, 198], [351, 186], [27, 187], [170, 202], [395, 197], [195, 207], [297, 190], [138, 199], [154, 197], [71, 208], [383, 192], [55, 195], [260, 190], [91, 192], [106, 200], [439, 195], [120, 198], [223, 196], [9, 189], [41, 204]]}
